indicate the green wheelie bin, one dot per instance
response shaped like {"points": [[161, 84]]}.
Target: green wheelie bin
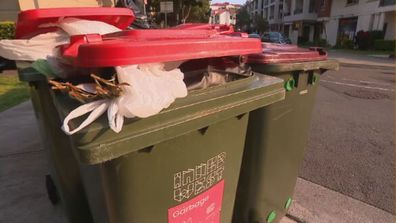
{"points": [[277, 134], [63, 183], [180, 165]]}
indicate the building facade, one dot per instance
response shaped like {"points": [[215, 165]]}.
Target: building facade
{"points": [[347, 17], [333, 20], [300, 20], [223, 13]]}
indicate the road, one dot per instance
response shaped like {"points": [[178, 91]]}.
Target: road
{"points": [[351, 148]]}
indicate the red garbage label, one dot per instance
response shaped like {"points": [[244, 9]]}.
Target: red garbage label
{"points": [[204, 208]]}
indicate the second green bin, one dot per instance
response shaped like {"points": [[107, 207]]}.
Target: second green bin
{"points": [[181, 165], [277, 134]]}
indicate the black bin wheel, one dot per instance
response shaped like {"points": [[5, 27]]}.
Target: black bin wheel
{"points": [[51, 190]]}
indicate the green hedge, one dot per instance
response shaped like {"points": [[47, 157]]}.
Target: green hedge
{"points": [[384, 45], [7, 30], [347, 44]]}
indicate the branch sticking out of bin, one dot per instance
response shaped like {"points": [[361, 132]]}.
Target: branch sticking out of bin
{"points": [[102, 89]]}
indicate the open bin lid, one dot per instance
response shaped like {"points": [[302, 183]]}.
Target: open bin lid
{"points": [[29, 21], [220, 28], [281, 53], [161, 34], [101, 51]]}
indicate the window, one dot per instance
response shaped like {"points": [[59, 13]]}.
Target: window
{"points": [[272, 10], [299, 7], [280, 12], [352, 2], [287, 7], [387, 2], [312, 6]]}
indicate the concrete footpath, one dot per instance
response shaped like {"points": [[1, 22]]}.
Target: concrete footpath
{"points": [[362, 60], [23, 168]]}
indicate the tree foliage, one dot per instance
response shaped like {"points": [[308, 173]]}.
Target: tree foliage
{"points": [[184, 11], [249, 24], [199, 12], [243, 21], [260, 24]]}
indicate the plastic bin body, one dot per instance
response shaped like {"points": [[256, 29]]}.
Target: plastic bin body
{"points": [[150, 171], [64, 168], [180, 165], [276, 139]]}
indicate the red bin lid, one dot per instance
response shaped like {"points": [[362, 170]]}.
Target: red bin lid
{"points": [[282, 53], [98, 51], [220, 28], [161, 34], [29, 21]]}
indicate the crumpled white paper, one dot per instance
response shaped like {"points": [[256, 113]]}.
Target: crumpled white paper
{"points": [[44, 45], [74, 26], [151, 88]]}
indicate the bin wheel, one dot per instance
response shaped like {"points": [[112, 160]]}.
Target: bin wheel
{"points": [[51, 190]]}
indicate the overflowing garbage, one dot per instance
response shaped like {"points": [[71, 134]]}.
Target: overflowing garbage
{"points": [[125, 90], [191, 104], [144, 90]]}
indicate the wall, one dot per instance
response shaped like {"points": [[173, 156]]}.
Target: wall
{"points": [[370, 17], [30, 4], [225, 18], [9, 8], [363, 23], [390, 30], [331, 27], [305, 15]]}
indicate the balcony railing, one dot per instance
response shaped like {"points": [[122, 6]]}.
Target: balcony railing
{"points": [[387, 2]]}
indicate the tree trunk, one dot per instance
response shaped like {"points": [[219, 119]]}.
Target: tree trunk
{"points": [[188, 14]]}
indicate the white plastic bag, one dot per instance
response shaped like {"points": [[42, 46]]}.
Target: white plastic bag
{"points": [[38, 47], [44, 45], [150, 89], [97, 108]]}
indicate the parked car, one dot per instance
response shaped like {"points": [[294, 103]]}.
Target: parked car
{"points": [[275, 37], [239, 34], [254, 35]]}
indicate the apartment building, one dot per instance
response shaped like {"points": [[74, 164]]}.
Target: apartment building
{"points": [[333, 20], [272, 11], [347, 17], [223, 13], [300, 20]]}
